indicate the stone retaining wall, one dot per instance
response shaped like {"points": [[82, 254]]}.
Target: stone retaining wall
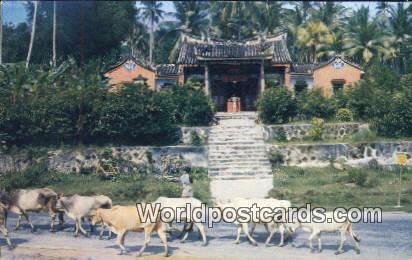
{"points": [[356, 155], [73, 160], [335, 131]]}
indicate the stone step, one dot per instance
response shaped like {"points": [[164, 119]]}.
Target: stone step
{"points": [[254, 160], [238, 162], [241, 170], [238, 174], [245, 143], [235, 150], [222, 169]]}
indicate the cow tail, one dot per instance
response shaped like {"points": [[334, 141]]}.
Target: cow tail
{"points": [[352, 233]]}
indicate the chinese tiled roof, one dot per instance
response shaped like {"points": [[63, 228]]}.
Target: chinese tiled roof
{"points": [[195, 50], [167, 70], [308, 68]]}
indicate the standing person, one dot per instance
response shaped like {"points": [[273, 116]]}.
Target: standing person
{"points": [[186, 181]]}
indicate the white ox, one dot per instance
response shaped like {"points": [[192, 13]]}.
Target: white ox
{"points": [[79, 207]]}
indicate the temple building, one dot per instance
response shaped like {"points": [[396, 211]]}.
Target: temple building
{"points": [[330, 76], [239, 69]]}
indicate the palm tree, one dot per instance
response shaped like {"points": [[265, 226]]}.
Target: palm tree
{"points": [[330, 13], [364, 39], [312, 37], [191, 17], [232, 19], [267, 16], [33, 31], [151, 12], [295, 18], [54, 34], [401, 30], [136, 40]]}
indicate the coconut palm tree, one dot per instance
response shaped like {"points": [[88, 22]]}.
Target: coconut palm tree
{"points": [[312, 37], [191, 17], [295, 18], [267, 16], [136, 40], [364, 39], [400, 22], [33, 31], [151, 11], [330, 13], [232, 19]]}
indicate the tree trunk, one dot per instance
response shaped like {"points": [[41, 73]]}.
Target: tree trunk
{"points": [[54, 34], [151, 41], [33, 31], [1, 32]]}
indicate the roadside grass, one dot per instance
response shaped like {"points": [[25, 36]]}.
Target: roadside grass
{"points": [[123, 189], [331, 188]]}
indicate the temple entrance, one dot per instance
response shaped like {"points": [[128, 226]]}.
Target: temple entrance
{"points": [[235, 80]]}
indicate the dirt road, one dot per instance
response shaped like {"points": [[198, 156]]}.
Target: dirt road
{"points": [[391, 239]]}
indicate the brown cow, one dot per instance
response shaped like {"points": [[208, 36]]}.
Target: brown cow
{"points": [[121, 219]]}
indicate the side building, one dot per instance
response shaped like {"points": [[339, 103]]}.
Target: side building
{"points": [[237, 68]]}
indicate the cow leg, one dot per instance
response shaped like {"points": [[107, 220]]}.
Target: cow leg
{"points": [[312, 235], [147, 234], [120, 241], [18, 222], [3, 230], [29, 221], [252, 229], [61, 219], [239, 230], [162, 236], [319, 243], [342, 240], [52, 220], [282, 234], [267, 243], [76, 231], [81, 228], [184, 237], [246, 230], [202, 232]]}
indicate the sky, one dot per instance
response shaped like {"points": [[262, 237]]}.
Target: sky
{"points": [[14, 11]]}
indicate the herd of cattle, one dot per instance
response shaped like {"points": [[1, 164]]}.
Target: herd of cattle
{"points": [[98, 210]]}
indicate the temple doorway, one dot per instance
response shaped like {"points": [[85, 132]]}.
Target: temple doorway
{"points": [[235, 80]]}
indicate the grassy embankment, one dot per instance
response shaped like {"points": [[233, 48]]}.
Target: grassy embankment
{"points": [[122, 189], [330, 188]]}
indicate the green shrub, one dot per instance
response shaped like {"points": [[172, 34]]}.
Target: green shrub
{"points": [[316, 131], [312, 103], [195, 138], [344, 115], [281, 135], [357, 176], [364, 135], [191, 106], [36, 175], [276, 106], [276, 158]]}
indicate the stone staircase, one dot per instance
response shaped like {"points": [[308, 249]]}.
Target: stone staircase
{"points": [[237, 152]]}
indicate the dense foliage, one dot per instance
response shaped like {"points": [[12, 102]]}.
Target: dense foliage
{"points": [[383, 98], [276, 106], [312, 103], [71, 105], [316, 30]]}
